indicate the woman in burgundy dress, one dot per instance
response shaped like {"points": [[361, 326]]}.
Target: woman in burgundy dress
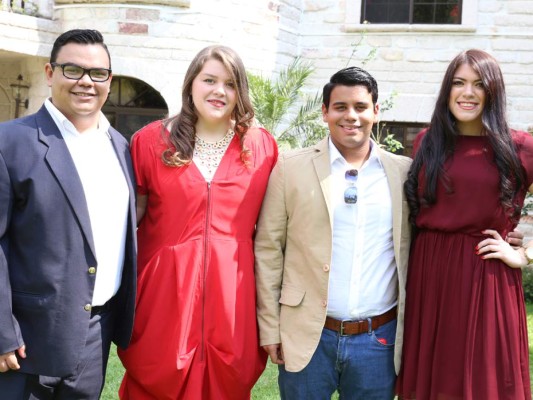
{"points": [[465, 327], [201, 177]]}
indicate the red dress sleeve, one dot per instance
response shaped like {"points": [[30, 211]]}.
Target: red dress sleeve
{"points": [[143, 149]]}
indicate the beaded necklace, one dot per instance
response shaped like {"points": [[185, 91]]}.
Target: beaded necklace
{"points": [[210, 153]]}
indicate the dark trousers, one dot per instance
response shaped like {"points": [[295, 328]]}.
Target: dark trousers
{"points": [[85, 383]]}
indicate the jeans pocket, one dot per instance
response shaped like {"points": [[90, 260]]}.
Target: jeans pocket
{"points": [[385, 335]]}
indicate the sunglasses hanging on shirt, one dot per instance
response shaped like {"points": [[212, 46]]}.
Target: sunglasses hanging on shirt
{"points": [[350, 194]]}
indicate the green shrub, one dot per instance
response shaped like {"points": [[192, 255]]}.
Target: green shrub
{"points": [[527, 280]]}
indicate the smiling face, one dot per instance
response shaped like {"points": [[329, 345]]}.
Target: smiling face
{"points": [[79, 100], [350, 117], [467, 100], [214, 96]]}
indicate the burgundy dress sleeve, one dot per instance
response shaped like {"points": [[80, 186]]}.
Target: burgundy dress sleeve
{"points": [[524, 143]]}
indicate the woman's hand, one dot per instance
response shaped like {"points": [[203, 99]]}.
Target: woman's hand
{"points": [[515, 239], [496, 247]]}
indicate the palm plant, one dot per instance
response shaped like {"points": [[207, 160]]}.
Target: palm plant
{"points": [[283, 109], [295, 119]]}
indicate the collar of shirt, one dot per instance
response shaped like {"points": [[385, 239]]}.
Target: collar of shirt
{"points": [[67, 127], [337, 160]]}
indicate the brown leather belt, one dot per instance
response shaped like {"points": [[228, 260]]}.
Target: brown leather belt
{"points": [[346, 328]]}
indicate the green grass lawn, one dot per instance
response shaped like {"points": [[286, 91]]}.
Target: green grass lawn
{"points": [[529, 308], [266, 388]]}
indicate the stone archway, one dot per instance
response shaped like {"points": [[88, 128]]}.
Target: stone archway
{"points": [[6, 105], [133, 104]]}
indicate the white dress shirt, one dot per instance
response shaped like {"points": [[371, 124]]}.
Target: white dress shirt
{"points": [[107, 195], [363, 278]]}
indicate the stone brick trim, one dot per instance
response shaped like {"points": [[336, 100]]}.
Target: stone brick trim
{"points": [[173, 3], [132, 28]]}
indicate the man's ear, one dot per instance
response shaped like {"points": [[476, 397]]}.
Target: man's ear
{"points": [[48, 72]]}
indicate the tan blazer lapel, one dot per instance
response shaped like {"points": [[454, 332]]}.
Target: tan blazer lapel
{"points": [[396, 192], [323, 172]]}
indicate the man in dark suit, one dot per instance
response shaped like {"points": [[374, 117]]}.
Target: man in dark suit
{"points": [[67, 232]]}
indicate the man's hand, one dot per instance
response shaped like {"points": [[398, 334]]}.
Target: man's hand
{"points": [[275, 351], [9, 360]]}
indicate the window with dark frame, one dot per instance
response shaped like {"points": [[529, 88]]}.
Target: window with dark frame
{"points": [[132, 104], [411, 11], [404, 132]]}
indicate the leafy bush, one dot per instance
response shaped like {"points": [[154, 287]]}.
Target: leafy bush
{"points": [[527, 281]]}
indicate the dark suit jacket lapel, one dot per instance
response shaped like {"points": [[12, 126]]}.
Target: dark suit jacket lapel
{"points": [[62, 166], [323, 172], [124, 160]]}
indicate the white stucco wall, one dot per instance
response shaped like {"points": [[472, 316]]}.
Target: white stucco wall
{"points": [[412, 59], [155, 43]]}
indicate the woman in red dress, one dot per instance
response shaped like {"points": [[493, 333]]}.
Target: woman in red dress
{"points": [[201, 177], [465, 327]]}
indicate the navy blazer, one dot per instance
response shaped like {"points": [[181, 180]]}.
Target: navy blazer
{"points": [[46, 248]]}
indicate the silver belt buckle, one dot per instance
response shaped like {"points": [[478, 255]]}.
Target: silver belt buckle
{"points": [[341, 331]]}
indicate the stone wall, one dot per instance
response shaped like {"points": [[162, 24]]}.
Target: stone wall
{"points": [[412, 59], [155, 42]]}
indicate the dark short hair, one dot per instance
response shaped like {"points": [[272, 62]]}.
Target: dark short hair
{"points": [[80, 36], [351, 76]]}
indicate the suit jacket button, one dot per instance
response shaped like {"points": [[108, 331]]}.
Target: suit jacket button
{"points": [[92, 270], [325, 267], [324, 303], [87, 307]]}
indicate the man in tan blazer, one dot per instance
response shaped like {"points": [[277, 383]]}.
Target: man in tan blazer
{"points": [[331, 251]]}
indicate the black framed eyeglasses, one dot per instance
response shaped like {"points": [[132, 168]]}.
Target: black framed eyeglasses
{"points": [[350, 194], [75, 72]]}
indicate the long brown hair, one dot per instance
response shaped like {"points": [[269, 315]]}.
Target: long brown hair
{"points": [[439, 142], [182, 126]]}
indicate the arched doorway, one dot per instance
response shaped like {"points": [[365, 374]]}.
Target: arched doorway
{"points": [[6, 112], [132, 104]]}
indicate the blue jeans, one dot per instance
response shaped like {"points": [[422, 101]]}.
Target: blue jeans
{"points": [[358, 366]]}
